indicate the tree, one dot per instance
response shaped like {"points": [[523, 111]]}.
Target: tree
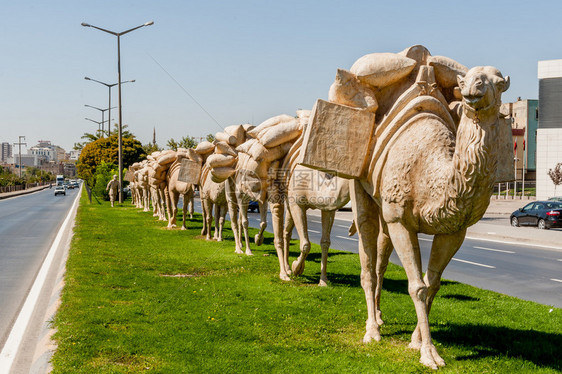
{"points": [[106, 150], [104, 173], [185, 142], [149, 148], [210, 138], [556, 175]]}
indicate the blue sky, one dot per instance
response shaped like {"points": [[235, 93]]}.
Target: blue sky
{"points": [[242, 61]]}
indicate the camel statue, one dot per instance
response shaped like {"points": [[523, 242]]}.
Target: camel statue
{"points": [[310, 189], [431, 171], [176, 188]]}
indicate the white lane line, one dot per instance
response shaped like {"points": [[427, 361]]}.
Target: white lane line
{"points": [[15, 338], [556, 280], [513, 243], [425, 240], [344, 226], [494, 250], [560, 259], [314, 231], [474, 263], [347, 237]]}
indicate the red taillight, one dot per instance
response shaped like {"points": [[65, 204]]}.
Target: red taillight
{"points": [[553, 213]]}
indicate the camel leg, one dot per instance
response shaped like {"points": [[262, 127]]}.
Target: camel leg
{"points": [[258, 239], [217, 223], [186, 197], [220, 217], [384, 250], [287, 235], [204, 214], [208, 219], [443, 249], [244, 223], [299, 217], [277, 211], [366, 213], [233, 211], [191, 204], [327, 223], [235, 224], [172, 208], [407, 246]]}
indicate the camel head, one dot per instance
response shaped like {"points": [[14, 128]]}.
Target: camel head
{"points": [[482, 86]]}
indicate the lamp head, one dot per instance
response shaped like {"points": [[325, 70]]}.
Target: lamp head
{"points": [[87, 78], [149, 23], [86, 24]]}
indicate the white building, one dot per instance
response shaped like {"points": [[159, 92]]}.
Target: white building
{"points": [[549, 131], [6, 151]]}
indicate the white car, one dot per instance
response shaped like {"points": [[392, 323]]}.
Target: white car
{"points": [[60, 190]]}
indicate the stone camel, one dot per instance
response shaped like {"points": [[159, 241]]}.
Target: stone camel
{"points": [[435, 178], [176, 188], [310, 189]]}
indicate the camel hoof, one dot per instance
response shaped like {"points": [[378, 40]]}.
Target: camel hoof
{"points": [[239, 251], [184, 228], [323, 283], [415, 345], [218, 239], [258, 239], [284, 277], [298, 268], [372, 334], [249, 252], [430, 357]]}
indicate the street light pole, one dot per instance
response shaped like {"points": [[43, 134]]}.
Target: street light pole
{"points": [[109, 86], [100, 124], [19, 144], [118, 35], [102, 115]]}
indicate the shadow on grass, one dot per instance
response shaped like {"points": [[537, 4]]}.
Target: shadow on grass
{"points": [[541, 348], [459, 297]]}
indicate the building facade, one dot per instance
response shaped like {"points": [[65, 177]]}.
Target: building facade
{"points": [[6, 151], [549, 132]]}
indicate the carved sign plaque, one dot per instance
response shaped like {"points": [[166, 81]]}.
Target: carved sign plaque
{"points": [[190, 171], [339, 139]]}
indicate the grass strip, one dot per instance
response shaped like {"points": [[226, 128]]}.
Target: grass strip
{"points": [[139, 298]]}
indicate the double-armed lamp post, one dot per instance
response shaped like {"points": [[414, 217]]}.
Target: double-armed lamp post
{"points": [[109, 104], [118, 35], [100, 125], [102, 114]]}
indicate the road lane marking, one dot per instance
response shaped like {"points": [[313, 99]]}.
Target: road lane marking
{"points": [[524, 244], [11, 347], [425, 240], [556, 280], [560, 259], [346, 237], [314, 231], [474, 263], [344, 226], [494, 250]]}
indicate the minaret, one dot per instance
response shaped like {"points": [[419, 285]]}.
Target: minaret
{"points": [[154, 136]]}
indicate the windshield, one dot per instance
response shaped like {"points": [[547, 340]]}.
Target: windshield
{"points": [[554, 205]]}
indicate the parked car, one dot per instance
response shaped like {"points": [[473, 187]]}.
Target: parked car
{"points": [[556, 198], [60, 190], [253, 206], [543, 214]]}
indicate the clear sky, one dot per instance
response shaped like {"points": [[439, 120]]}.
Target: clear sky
{"points": [[241, 61]]}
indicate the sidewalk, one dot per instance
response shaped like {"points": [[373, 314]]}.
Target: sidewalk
{"points": [[495, 225], [6, 195]]}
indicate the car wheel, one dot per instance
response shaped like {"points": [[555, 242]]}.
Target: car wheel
{"points": [[514, 222], [542, 225]]}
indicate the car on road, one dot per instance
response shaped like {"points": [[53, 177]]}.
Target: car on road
{"points": [[555, 198], [543, 214], [253, 206], [60, 190]]}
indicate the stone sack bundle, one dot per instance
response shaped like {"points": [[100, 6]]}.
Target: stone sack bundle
{"points": [[273, 138]]}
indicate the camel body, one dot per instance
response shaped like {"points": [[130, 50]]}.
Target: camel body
{"points": [[432, 177]]}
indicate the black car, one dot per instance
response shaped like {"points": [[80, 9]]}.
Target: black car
{"points": [[253, 206], [543, 214]]}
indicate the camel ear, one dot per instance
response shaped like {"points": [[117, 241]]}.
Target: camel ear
{"points": [[505, 84], [460, 81]]}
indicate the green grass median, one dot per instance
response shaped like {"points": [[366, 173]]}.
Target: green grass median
{"points": [[141, 298]]}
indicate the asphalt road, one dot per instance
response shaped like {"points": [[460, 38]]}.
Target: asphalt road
{"points": [[28, 226], [523, 271]]}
